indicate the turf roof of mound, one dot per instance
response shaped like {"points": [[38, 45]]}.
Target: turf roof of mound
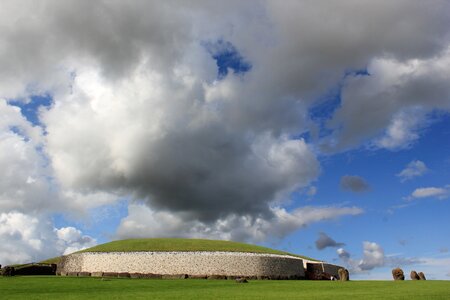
{"points": [[178, 244]]}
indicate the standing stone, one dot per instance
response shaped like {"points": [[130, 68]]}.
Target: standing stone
{"points": [[398, 274], [343, 274], [414, 275], [422, 276]]}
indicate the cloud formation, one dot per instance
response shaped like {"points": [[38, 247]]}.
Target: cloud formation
{"points": [[415, 168], [138, 109], [26, 238], [440, 193], [374, 257], [325, 241], [354, 184], [145, 222]]}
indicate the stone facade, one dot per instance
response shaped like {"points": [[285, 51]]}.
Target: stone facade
{"points": [[191, 263], [316, 269]]}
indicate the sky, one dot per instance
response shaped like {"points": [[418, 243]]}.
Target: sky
{"points": [[319, 128]]}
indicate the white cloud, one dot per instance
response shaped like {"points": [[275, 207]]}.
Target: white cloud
{"points": [[401, 132], [440, 193], [144, 222], [73, 240], [31, 238], [394, 101], [374, 258], [24, 184], [415, 168]]}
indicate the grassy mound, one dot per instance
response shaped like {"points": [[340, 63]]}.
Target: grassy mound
{"points": [[166, 244]]}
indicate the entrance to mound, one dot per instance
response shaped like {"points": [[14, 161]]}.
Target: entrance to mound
{"points": [[314, 271]]}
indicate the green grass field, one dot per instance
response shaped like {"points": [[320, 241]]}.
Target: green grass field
{"points": [[50, 287]]}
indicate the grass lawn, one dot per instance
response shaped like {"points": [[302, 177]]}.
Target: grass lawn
{"points": [[51, 287]]}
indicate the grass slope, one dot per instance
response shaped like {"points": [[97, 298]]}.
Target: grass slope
{"points": [[53, 260], [166, 244], [42, 287]]}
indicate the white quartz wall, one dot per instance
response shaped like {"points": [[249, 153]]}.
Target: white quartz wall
{"points": [[191, 263]]}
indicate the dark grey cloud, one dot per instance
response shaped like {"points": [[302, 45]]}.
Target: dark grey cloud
{"points": [[353, 183], [403, 242], [343, 254], [324, 241]]}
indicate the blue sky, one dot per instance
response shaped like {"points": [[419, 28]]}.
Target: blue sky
{"points": [[328, 139]]}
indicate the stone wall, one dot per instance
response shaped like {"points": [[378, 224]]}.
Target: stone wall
{"points": [[331, 269], [191, 263]]}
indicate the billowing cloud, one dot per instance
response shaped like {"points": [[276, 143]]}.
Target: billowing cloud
{"points": [[73, 239], [138, 109], [401, 132], [184, 159], [30, 238], [415, 168], [24, 184], [144, 222], [353, 183], [398, 94], [325, 241], [437, 192], [374, 257]]}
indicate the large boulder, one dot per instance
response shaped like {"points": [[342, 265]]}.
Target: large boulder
{"points": [[414, 275], [343, 274], [398, 274], [422, 276]]}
